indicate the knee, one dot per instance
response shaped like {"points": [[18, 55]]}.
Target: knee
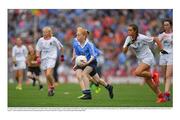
{"points": [[79, 76], [137, 73], [84, 73], [16, 75], [29, 74], [48, 75], [168, 76]]}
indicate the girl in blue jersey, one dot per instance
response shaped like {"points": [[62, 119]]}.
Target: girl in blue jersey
{"points": [[92, 81], [82, 46]]}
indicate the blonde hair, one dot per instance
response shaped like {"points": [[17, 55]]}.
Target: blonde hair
{"points": [[47, 28], [83, 31], [18, 38]]}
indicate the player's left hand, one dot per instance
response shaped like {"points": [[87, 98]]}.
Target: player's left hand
{"points": [[163, 52], [84, 63], [38, 60], [14, 61]]}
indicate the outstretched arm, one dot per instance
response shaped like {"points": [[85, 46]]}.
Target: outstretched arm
{"points": [[157, 41], [125, 49]]}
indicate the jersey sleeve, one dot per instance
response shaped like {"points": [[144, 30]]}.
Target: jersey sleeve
{"points": [[13, 52], [74, 43], [91, 49], [58, 43], [127, 41], [75, 46], [39, 46], [160, 36], [25, 51], [147, 38]]}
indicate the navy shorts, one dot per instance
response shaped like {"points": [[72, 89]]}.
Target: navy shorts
{"points": [[34, 70], [93, 64]]}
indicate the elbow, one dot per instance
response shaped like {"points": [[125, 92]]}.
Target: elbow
{"points": [[62, 49], [156, 39]]}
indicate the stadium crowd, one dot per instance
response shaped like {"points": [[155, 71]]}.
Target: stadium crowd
{"points": [[108, 29]]}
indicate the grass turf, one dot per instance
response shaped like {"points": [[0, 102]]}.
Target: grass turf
{"points": [[125, 95]]}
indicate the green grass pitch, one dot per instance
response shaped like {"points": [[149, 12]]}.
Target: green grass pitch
{"points": [[125, 95]]}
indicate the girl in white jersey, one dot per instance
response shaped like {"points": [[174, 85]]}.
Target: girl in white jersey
{"points": [[166, 60], [46, 49], [139, 43], [19, 54]]}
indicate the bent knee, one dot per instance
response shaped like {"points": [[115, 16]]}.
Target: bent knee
{"points": [[137, 73], [79, 76], [48, 75], [168, 76]]}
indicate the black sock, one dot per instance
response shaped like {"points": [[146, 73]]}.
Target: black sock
{"points": [[34, 79], [96, 84], [16, 79], [108, 86], [88, 92], [91, 83]]}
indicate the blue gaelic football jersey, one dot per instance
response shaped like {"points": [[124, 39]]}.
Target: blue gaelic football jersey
{"points": [[88, 49]]}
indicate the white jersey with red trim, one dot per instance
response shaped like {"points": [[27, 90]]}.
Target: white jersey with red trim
{"points": [[140, 46], [48, 48], [19, 53], [167, 41]]}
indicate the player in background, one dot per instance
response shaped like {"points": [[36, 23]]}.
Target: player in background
{"points": [[82, 46], [95, 86], [139, 43], [33, 67], [166, 60], [19, 54], [46, 51]]}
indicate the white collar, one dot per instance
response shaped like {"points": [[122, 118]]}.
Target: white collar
{"points": [[82, 46]]}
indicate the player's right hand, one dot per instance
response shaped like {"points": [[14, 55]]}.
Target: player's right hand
{"points": [[14, 62], [130, 42], [75, 67], [38, 60], [73, 59]]}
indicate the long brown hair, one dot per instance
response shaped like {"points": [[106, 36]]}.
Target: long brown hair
{"points": [[167, 20], [135, 28], [32, 47]]}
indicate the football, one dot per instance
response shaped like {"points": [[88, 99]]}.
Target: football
{"points": [[80, 59]]}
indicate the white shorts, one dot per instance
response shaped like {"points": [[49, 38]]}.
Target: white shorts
{"points": [[166, 59], [147, 60], [20, 65], [48, 63]]}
